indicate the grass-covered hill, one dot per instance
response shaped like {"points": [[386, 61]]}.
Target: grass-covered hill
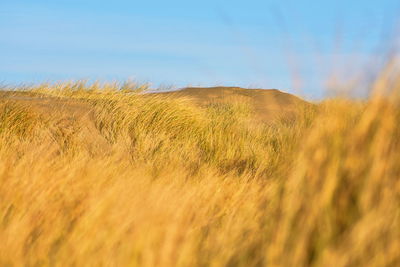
{"points": [[110, 176]]}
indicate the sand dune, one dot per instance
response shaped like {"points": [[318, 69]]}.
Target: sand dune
{"points": [[267, 104]]}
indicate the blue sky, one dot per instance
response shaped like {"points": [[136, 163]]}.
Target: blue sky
{"points": [[290, 45]]}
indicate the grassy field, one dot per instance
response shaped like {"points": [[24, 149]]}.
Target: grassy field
{"points": [[108, 176]]}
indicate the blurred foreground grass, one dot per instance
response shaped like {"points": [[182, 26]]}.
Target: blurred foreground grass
{"points": [[130, 179]]}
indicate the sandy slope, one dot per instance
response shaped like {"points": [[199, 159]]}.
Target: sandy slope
{"points": [[267, 103]]}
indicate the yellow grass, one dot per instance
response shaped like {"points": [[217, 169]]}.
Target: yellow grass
{"points": [[113, 177]]}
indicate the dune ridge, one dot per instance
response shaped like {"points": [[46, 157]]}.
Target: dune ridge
{"points": [[266, 104]]}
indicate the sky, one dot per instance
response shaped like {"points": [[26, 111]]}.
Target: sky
{"points": [[292, 45]]}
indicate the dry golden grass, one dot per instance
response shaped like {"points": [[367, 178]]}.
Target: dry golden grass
{"points": [[94, 176]]}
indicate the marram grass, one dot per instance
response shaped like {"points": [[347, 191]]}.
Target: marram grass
{"points": [[132, 179]]}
